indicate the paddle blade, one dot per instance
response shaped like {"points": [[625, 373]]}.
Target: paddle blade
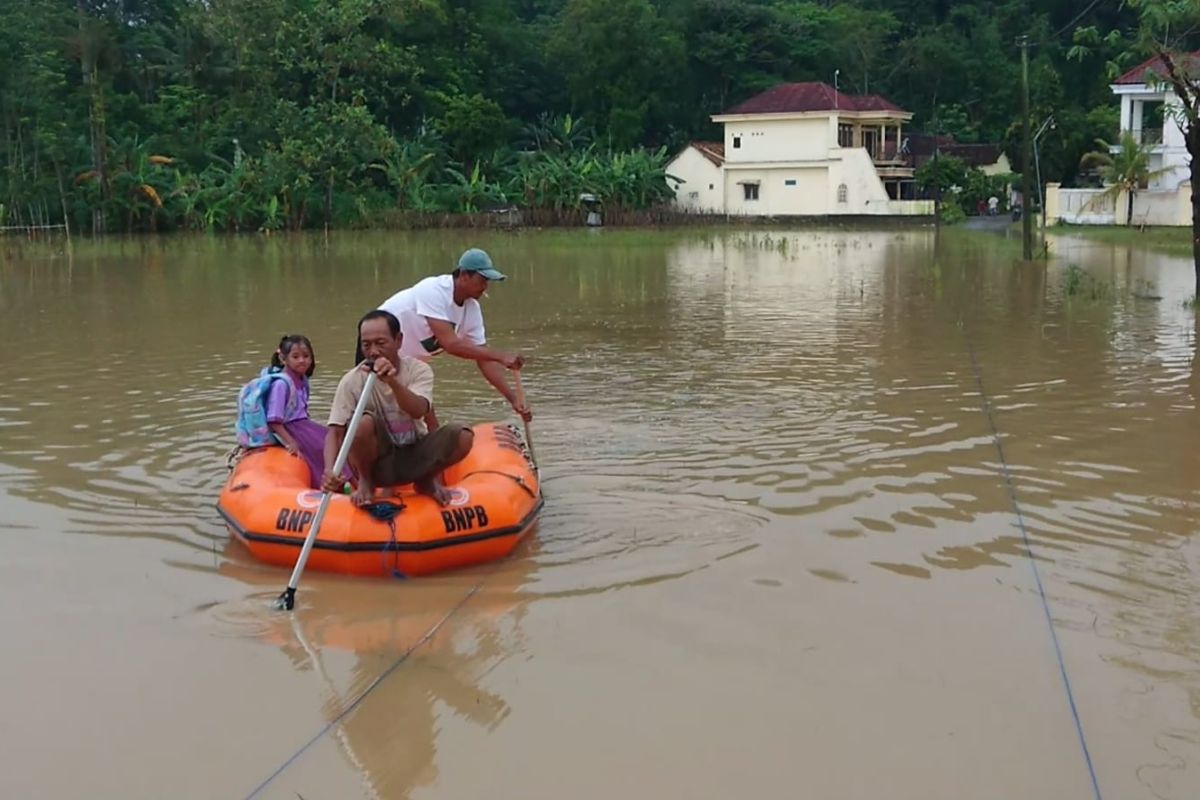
{"points": [[285, 601]]}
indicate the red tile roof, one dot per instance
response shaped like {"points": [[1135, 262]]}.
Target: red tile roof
{"points": [[713, 151], [874, 102], [790, 98], [1188, 62]]}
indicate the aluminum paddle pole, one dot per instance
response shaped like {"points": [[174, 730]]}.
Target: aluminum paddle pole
{"points": [[528, 438], [287, 600]]}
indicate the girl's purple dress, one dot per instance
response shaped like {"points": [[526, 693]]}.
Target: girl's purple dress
{"points": [[309, 435]]}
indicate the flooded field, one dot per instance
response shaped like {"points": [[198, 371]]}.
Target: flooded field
{"points": [[830, 514]]}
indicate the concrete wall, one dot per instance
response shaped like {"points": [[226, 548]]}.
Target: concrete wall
{"points": [[804, 139], [1154, 208], [781, 191], [816, 190], [703, 187], [1087, 207], [1078, 206], [865, 194], [910, 208]]}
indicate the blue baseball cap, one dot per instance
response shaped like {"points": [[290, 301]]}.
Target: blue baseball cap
{"points": [[475, 260]]}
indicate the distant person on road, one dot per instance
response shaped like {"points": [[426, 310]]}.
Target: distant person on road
{"points": [[993, 206]]}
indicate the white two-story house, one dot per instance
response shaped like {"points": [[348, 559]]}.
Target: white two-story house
{"points": [[1150, 113], [802, 149]]}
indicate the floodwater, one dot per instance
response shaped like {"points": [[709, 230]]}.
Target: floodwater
{"points": [[830, 514]]}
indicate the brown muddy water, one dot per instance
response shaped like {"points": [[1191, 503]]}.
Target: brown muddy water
{"points": [[794, 479]]}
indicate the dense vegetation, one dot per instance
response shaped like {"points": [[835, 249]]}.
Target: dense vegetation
{"points": [[249, 114]]}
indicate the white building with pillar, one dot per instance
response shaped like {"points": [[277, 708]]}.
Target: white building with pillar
{"points": [[1150, 113], [802, 149]]}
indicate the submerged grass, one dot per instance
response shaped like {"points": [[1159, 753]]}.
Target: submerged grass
{"points": [[1079, 284], [1173, 241]]}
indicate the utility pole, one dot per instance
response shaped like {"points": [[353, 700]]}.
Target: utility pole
{"points": [[937, 184], [1037, 165], [1026, 157]]}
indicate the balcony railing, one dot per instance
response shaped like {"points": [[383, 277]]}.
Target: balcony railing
{"points": [[1143, 136], [888, 154]]}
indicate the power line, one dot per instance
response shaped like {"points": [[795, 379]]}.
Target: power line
{"points": [[1064, 28], [1078, 17]]}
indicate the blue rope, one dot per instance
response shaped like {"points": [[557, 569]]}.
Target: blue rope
{"points": [[374, 684], [1012, 494], [386, 512]]}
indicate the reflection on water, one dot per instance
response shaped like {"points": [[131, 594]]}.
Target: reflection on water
{"points": [[408, 662], [751, 413]]}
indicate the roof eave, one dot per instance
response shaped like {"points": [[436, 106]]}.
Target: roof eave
{"points": [[840, 112], [1134, 88], [878, 114]]}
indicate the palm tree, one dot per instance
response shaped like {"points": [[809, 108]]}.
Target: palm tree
{"points": [[1125, 170]]}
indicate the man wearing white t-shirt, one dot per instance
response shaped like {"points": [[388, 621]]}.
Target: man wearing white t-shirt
{"points": [[442, 314]]}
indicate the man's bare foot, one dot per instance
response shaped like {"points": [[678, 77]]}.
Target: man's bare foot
{"points": [[363, 493], [434, 488]]}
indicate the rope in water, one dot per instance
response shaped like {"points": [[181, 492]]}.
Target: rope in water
{"points": [[429, 634], [385, 512], [986, 402]]}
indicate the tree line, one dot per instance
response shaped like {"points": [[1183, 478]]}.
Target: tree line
{"points": [[135, 115]]}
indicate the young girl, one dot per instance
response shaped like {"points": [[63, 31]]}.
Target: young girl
{"points": [[287, 404]]}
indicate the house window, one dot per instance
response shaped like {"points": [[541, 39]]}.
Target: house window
{"points": [[1153, 117], [750, 191], [737, 142], [845, 136], [843, 193], [710, 186], [790, 182], [871, 143]]}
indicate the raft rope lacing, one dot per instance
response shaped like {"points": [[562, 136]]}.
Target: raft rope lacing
{"points": [[234, 456], [986, 403], [517, 479]]}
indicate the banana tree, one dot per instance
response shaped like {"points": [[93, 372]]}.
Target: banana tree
{"points": [[406, 167], [468, 194]]}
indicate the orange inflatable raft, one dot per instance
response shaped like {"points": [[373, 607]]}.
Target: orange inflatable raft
{"points": [[495, 498]]}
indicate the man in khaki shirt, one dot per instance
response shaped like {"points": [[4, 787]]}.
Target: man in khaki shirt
{"points": [[392, 445]]}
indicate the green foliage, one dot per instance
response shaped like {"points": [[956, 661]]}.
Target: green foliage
{"points": [[951, 213], [961, 187], [471, 125], [1078, 283], [979, 187], [943, 173], [1074, 279], [1123, 169], [620, 60], [278, 114]]}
